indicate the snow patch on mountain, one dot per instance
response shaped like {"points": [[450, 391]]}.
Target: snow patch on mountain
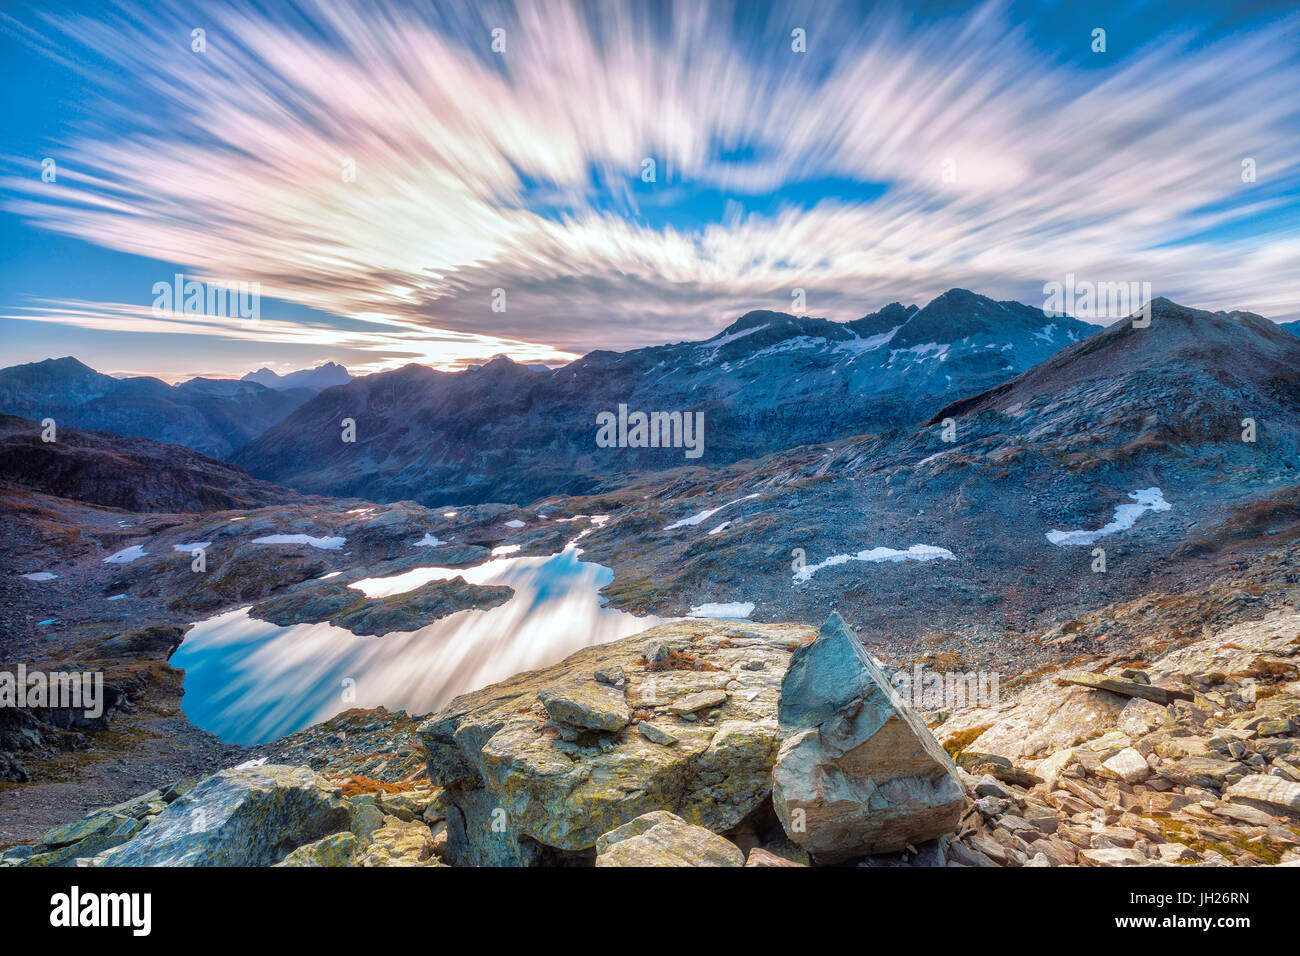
{"points": [[705, 515], [917, 552], [126, 555], [734, 610], [715, 344], [325, 544], [1144, 500], [871, 343]]}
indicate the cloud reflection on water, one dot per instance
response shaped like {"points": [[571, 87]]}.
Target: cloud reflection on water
{"points": [[249, 681]]}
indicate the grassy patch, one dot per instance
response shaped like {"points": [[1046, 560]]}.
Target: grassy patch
{"points": [[963, 739]]}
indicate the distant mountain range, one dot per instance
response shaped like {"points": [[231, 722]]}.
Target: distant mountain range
{"points": [[503, 432], [209, 415], [316, 379], [509, 432]]}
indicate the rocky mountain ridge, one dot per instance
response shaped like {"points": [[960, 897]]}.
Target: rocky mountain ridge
{"points": [[211, 416], [134, 474], [316, 379], [1132, 441], [769, 381]]}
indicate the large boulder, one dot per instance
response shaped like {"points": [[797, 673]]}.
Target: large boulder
{"points": [[547, 761], [664, 839], [245, 816], [857, 772]]}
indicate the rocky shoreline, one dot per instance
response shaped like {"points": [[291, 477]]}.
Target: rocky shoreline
{"points": [[726, 743]]}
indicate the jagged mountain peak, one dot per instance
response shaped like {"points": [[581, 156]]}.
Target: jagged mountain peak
{"points": [[500, 361], [503, 369], [961, 314], [777, 325], [47, 380], [770, 380], [1168, 330], [318, 378], [66, 363], [755, 318], [77, 396]]}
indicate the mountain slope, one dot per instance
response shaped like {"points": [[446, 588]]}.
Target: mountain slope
{"points": [[135, 474], [212, 416], [1191, 376], [768, 381], [1130, 441]]}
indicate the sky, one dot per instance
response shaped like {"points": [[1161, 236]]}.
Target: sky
{"points": [[446, 181]]}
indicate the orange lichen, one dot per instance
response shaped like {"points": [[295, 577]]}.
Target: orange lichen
{"points": [[678, 661], [357, 785]]}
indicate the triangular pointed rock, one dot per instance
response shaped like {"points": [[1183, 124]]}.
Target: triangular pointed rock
{"points": [[858, 773]]}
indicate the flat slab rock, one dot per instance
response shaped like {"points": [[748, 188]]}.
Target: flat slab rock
{"points": [[665, 839], [1047, 716], [1270, 794], [1125, 687], [588, 704], [498, 747]]}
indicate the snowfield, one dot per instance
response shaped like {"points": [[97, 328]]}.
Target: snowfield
{"points": [[126, 555], [705, 515], [325, 544], [917, 552], [735, 610], [1144, 500]]}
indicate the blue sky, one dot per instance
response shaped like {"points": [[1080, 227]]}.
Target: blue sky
{"points": [[902, 152]]}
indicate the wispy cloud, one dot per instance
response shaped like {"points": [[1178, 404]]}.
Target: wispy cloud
{"points": [[521, 170], [381, 343]]}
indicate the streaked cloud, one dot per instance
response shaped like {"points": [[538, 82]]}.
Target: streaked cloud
{"points": [[381, 343], [521, 171]]}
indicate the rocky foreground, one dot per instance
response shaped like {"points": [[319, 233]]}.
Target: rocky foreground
{"points": [[703, 743]]}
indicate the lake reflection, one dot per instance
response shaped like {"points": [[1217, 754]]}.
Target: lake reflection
{"points": [[247, 681]]}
